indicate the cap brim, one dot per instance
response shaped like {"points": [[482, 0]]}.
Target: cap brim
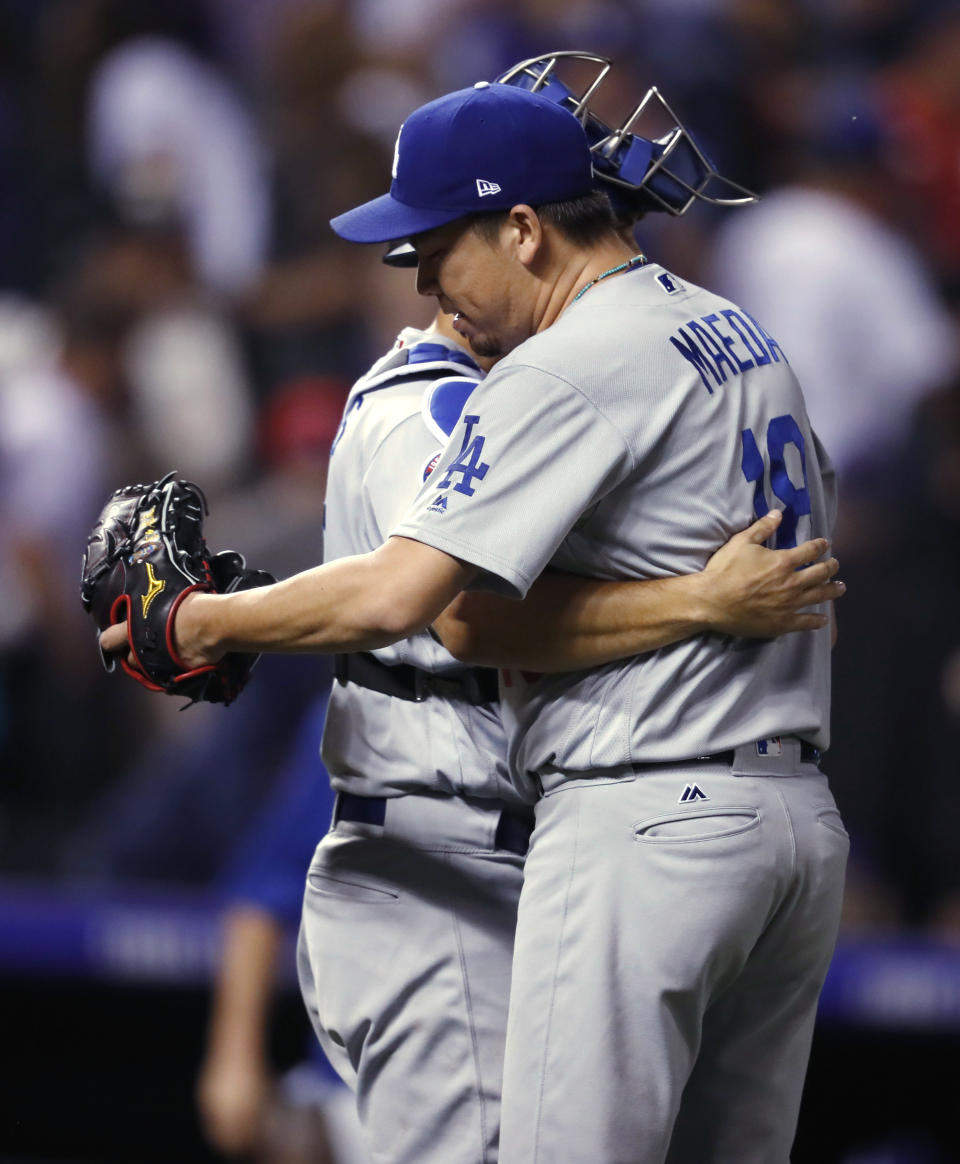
{"points": [[384, 219]]}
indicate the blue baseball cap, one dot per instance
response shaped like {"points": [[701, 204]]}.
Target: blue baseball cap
{"points": [[486, 148]]}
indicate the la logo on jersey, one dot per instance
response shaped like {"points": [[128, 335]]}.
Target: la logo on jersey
{"points": [[467, 465], [485, 187], [692, 792]]}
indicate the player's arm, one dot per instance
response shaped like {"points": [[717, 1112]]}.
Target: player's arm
{"points": [[358, 603], [568, 622], [235, 1077]]}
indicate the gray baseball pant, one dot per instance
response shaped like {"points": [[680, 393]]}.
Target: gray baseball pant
{"points": [[669, 957], [404, 959]]}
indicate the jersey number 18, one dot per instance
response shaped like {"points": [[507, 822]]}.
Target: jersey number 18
{"points": [[781, 432]]}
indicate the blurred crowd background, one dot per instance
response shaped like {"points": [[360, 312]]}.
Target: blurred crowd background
{"points": [[171, 297]]}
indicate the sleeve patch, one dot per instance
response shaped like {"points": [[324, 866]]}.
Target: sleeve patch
{"points": [[431, 464]]}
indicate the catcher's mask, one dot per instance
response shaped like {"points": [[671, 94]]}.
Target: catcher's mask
{"points": [[664, 173], [401, 254]]}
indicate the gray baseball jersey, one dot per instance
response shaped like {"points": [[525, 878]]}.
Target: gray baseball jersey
{"points": [[630, 440], [396, 421], [409, 910]]}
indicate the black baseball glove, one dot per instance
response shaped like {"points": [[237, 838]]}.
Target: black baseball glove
{"points": [[144, 555]]}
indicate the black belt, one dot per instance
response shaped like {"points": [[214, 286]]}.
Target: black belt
{"points": [[513, 829], [477, 685], [808, 755]]}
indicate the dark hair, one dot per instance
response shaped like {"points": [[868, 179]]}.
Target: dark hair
{"points": [[581, 221]]}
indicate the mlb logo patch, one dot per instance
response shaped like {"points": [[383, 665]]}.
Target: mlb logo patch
{"points": [[670, 283], [771, 747]]}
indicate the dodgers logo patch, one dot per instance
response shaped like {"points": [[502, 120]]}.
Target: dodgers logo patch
{"points": [[468, 465]]}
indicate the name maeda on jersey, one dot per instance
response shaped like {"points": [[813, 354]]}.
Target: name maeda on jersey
{"points": [[715, 343]]}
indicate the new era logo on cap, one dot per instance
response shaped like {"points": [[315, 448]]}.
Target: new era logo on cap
{"points": [[484, 187]]}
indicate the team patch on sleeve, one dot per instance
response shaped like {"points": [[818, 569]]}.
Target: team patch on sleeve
{"points": [[431, 464], [464, 471], [468, 465]]}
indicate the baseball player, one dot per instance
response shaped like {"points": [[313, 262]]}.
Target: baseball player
{"points": [[507, 290]]}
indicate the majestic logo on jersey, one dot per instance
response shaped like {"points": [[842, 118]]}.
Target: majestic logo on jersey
{"points": [[692, 792], [771, 747], [485, 187], [670, 283], [715, 348], [468, 464], [439, 505], [155, 587]]}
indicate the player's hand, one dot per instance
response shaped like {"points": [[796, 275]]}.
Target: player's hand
{"points": [[187, 638], [756, 592], [232, 1095]]}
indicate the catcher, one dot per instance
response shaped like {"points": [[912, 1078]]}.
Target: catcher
{"points": [[145, 554]]}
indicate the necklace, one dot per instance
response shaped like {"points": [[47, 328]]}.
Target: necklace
{"points": [[636, 261]]}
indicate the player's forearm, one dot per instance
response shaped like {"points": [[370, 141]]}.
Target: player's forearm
{"points": [[356, 603], [330, 608], [568, 622], [244, 986]]}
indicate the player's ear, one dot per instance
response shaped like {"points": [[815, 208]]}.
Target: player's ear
{"points": [[524, 233]]}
